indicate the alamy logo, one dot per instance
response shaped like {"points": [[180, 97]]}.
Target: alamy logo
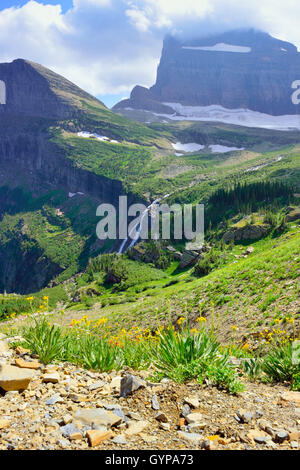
{"points": [[296, 94], [2, 92], [166, 222]]}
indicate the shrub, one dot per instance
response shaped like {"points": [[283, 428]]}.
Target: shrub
{"points": [[205, 265]]}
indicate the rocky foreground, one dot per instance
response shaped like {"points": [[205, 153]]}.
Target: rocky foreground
{"points": [[63, 407]]}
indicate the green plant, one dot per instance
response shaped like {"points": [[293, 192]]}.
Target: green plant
{"points": [[296, 382], [279, 364], [253, 368], [97, 353], [223, 376], [136, 354], [181, 348], [45, 340], [184, 355]]}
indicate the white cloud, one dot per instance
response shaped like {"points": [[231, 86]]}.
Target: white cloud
{"points": [[108, 46]]}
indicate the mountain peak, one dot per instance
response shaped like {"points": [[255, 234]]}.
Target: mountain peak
{"points": [[34, 90], [243, 68]]}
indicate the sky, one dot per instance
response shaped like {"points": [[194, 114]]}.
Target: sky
{"points": [[108, 46]]}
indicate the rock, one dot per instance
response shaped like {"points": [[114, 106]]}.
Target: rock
{"points": [[4, 423], [13, 378], [294, 445], [117, 411], [293, 215], [191, 437], [136, 427], [181, 422], [165, 426], [281, 436], [67, 419], [291, 397], [3, 346], [52, 377], [161, 417], [193, 402], [134, 416], [186, 410], [96, 437], [115, 384], [248, 232], [265, 426], [56, 398], [195, 418], [130, 384], [244, 416], [255, 434], [77, 398], [294, 436], [261, 440], [27, 364], [206, 444], [188, 258], [69, 429], [76, 436], [97, 385], [119, 440], [155, 403], [22, 351], [249, 250], [95, 418]]}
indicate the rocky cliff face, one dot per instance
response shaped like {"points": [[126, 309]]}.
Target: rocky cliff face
{"points": [[238, 69], [35, 105]]}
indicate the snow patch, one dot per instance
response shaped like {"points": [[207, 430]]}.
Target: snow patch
{"points": [[258, 167], [191, 147], [74, 194], [102, 138], [224, 149], [238, 117], [220, 47]]}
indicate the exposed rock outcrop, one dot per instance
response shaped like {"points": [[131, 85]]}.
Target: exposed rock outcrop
{"points": [[248, 232], [239, 69]]}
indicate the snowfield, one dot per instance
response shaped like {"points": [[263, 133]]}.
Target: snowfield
{"points": [[102, 138], [239, 117], [189, 148], [223, 149], [193, 147], [220, 47]]}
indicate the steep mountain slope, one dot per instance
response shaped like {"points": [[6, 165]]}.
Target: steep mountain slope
{"points": [[49, 200], [238, 70]]}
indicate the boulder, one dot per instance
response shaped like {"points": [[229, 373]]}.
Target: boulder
{"points": [[97, 418], [293, 215], [188, 258], [130, 384], [248, 232], [13, 378]]}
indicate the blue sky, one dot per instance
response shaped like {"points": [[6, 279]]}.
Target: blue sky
{"points": [[108, 46], [65, 4]]}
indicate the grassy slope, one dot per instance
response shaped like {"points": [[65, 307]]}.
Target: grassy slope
{"points": [[249, 292]]}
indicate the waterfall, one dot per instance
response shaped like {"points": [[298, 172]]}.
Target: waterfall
{"points": [[137, 228]]}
